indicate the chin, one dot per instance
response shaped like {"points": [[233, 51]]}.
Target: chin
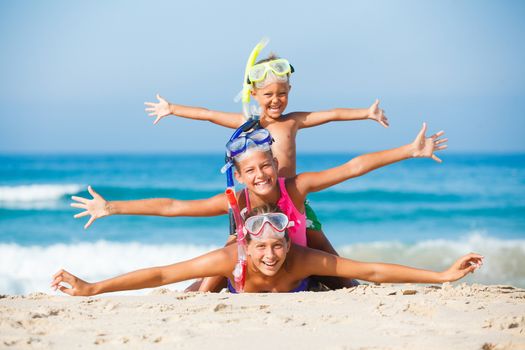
{"points": [[274, 114], [265, 189], [270, 271]]}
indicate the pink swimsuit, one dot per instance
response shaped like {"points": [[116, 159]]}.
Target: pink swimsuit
{"points": [[298, 231]]}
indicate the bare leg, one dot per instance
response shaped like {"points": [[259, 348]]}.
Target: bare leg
{"points": [[217, 283], [194, 287], [212, 284]]}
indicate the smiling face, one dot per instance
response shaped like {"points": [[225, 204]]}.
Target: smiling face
{"points": [[269, 253], [273, 99], [258, 171]]}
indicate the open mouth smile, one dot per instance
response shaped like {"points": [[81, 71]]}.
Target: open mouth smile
{"points": [[269, 264], [262, 183]]}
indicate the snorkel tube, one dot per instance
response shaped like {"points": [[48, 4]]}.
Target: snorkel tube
{"points": [[239, 273], [247, 87]]}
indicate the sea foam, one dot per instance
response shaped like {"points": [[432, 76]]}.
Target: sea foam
{"points": [[35, 196], [504, 259], [27, 269]]}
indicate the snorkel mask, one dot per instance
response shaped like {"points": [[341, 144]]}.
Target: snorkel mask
{"points": [[258, 138], [238, 146], [265, 73], [264, 225]]}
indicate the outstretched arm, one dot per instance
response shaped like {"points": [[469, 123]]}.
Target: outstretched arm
{"points": [[320, 263], [421, 147], [218, 262], [98, 207], [310, 119], [163, 109]]}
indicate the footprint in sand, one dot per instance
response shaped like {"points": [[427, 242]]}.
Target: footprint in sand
{"points": [[221, 307], [514, 324]]}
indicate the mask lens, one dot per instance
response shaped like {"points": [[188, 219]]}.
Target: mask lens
{"points": [[260, 136], [257, 73], [279, 221], [236, 145], [280, 67], [254, 224]]}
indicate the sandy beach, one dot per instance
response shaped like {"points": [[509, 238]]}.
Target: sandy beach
{"points": [[401, 316]]}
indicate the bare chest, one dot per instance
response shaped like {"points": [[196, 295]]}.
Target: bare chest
{"points": [[284, 149]]}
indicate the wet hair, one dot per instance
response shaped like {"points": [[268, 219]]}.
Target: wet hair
{"points": [[266, 209]]}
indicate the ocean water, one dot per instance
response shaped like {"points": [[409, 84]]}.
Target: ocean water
{"points": [[416, 212]]}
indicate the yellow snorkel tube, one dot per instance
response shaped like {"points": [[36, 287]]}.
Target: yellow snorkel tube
{"points": [[246, 87]]}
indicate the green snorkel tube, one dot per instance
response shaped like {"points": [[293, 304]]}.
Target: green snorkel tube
{"points": [[246, 86]]}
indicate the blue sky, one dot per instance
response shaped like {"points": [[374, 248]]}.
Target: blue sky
{"points": [[75, 75]]}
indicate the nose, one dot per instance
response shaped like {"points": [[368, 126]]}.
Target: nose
{"points": [[258, 172], [268, 252]]}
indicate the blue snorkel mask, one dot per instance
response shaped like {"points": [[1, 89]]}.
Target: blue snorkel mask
{"points": [[248, 135], [237, 146]]}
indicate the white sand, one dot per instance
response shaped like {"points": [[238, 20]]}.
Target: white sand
{"points": [[365, 317]]}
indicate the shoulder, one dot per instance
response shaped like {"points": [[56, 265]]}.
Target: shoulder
{"points": [[292, 117], [309, 259], [225, 256], [297, 185], [230, 250], [290, 183], [303, 258]]}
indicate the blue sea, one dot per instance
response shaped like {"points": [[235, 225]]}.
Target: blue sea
{"points": [[416, 212]]}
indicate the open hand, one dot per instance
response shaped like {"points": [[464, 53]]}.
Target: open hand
{"points": [[78, 286], [463, 266], [96, 207], [158, 110], [378, 114], [426, 146]]}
